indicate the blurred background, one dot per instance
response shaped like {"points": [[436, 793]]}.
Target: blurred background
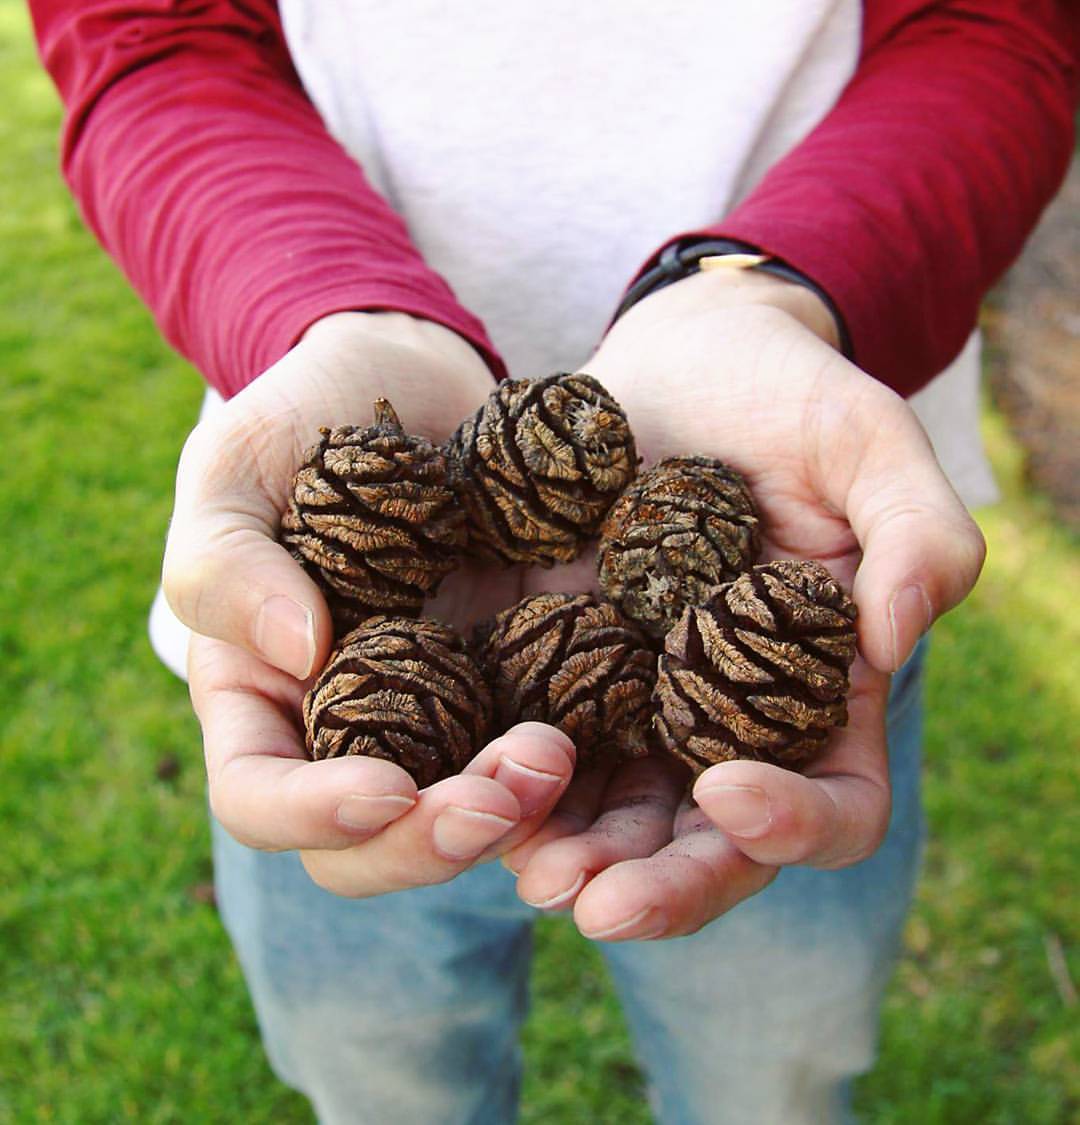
{"points": [[119, 996]]}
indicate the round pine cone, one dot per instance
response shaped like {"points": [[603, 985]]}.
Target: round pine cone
{"points": [[542, 461], [575, 663], [759, 671], [681, 529], [404, 690], [375, 519]]}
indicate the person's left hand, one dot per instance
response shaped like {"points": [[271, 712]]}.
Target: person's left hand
{"points": [[740, 367]]}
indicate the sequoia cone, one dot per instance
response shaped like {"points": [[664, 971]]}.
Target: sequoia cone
{"points": [[404, 690], [678, 531], [759, 671], [542, 461], [575, 663], [374, 517]]}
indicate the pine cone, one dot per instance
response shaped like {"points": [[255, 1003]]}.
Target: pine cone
{"points": [[404, 690], [542, 461], [681, 529], [375, 519], [759, 671], [575, 663]]}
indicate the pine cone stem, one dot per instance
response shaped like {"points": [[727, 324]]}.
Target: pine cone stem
{"points": [[385, 416]]}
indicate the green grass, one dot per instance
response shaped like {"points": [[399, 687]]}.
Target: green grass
{"points": [[119, 996]]}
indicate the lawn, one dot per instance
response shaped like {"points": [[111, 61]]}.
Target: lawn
{"points": [[119, 996]]}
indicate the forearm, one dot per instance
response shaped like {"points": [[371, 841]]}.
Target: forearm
{"points": [[206, 173]]}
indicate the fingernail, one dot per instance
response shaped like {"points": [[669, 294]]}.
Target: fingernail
{"points": [[647, 923], [533, 788], [285, 635], [465, 833], [909, 617], [361, 813], [742, 810], [543, 730], [556, 902]]}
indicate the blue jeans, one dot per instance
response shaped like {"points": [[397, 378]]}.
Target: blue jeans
{"points": [[405, 1009]]}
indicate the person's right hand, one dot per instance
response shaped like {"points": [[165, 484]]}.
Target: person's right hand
{"points": [[261, 627]]}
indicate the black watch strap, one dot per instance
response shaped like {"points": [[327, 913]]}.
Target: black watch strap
{"points": [[682, 258]]}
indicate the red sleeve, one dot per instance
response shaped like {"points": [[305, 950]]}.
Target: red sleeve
{"points": [[920, 186], [206, 173]]}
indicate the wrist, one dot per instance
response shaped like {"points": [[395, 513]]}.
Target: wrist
{"points": [[432, 375], [711, 291], [743, 273], [353, 327], [728, 288]]}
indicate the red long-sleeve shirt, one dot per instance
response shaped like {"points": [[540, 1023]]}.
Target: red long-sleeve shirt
{"points": [[204, 170]]}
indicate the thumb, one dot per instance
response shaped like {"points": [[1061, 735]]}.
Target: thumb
{"points": [[922, 552], [224, 573]]}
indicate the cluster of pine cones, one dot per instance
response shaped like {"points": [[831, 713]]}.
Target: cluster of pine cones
{"points": [[693, 649]]}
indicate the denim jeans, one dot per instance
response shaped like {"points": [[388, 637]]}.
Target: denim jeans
{"points": [[405, 1009]]}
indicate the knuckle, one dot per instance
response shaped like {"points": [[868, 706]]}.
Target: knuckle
{"points": [[185, 577], [960, 561], [800, 834], [202, 663], [221, 808], [201, 454], [688, 929], [849, 858], [875, 839], [860, 843], [804, 848], [886, 410], [893, 425], [194, 453], [409, 874], [320, 874], [331, 872], [225, 797], [811, 836], [974, 548], [234, 825]]}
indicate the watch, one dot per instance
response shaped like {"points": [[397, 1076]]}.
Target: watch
{"points": [[684, 257]]}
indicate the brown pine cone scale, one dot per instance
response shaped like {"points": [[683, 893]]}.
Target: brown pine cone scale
{"points": [[577, 664], [759, 671], [680, 530], [375, 519], [542, 461], [403, 690]]}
